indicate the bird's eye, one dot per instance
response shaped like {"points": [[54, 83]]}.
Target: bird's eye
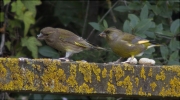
{"points": [[107, 31], [45, 34]]}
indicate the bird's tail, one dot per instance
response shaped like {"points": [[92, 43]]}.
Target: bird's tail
{"points": [[100, 48], [154, 45]]}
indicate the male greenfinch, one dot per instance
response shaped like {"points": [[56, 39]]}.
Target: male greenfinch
{"points": [[124, 44], [65, 41]]}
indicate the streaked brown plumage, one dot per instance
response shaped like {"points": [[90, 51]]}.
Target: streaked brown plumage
{"points": [[64, 40]]}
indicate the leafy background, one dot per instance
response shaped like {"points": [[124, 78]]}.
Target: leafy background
{"points": [[21, 21]]}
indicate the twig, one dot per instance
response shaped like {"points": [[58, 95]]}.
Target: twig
{"points": [[125, 2], [4, 26], [111, 11], [102, 18], [85, 19]]}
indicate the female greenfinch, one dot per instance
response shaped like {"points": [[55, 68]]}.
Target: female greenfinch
{"points": [[65, 41], [124, 44]]}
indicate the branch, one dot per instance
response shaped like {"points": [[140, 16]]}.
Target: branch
{"points": [[103, 18], [85, 19], [4, 29]]}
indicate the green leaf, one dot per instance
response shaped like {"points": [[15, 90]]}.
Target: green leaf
{"points": [[155, 9], [148, 52], [6, 2], [174, 58], [1, 16], [126, 27], [150, 34], [133, 20], [173, 62], [144, 12], [37, 97], [121, 8], [174, 55], [19, 8], [8, 45], [105, 24], [174, 26], [95, 26], [28, 20], [135, 5], [164, 51], [31, 43], [143, 25], [167, 33], [48, 52], [174, 44], [50, 97], [159, 28], [31, 5]]}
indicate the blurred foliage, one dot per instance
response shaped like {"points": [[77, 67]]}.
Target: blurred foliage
{"points": [[148, 19], [156, 20]]}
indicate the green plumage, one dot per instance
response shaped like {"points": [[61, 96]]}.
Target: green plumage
{"points": [[125, 44]]}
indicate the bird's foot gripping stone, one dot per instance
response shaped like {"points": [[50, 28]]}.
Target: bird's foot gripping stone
{"points": [[115, 62], [132, 61], [65, 59], [23, 59]]}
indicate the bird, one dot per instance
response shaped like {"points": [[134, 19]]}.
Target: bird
{"points": [[65, 41], [125, 44]]}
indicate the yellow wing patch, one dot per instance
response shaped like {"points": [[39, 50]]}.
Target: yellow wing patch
{"points": [[79, 44], [143, 41]]}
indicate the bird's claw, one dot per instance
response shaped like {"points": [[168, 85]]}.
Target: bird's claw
{"points": [[22, 59], [64, 59]]}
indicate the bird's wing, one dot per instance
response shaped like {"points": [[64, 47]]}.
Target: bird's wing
{"points": [[133, 39], [72, 38]]}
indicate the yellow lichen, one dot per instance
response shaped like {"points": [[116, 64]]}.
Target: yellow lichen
{"points": [[104, 73], [118, 72], [84, 88], [149, 94], [120, 83], [173, 68], [86, 69], [141, 92], [127, 84], [96, 71], [3, 71], [162, 92], [161, 76], [53, 78], [71, 81], [142, 73], [128, 67], [153, 85], [150, 72], [137, 81], [110, 75], [173, 89], [111, 88]]}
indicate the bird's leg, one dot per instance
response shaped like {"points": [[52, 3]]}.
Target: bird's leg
{"points": [[129, 60], [118, 61], [66, 58]]}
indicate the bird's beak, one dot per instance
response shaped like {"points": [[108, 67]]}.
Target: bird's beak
{"points": [[40, 36], [102, 34]]}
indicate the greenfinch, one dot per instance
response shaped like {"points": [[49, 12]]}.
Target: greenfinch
{"points": [[124, 44], [65, 41]]}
